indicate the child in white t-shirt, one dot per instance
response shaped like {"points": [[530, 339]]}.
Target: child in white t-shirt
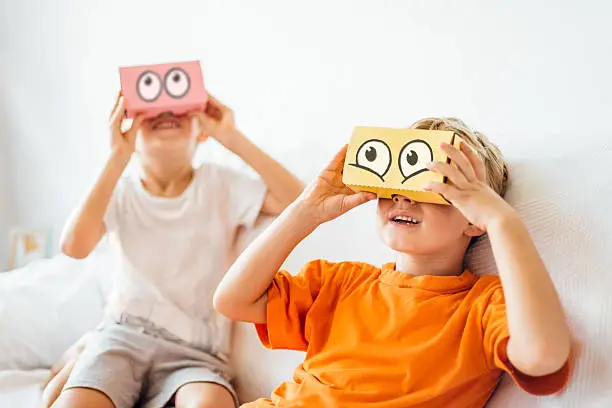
{"points": [[173, 226]]}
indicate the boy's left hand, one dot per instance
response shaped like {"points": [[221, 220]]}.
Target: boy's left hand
{"points": [[217, 121], [467, 187]]}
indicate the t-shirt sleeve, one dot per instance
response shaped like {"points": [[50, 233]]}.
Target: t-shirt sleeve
{"points": [[245, 197], [289, 301], [496, 336]]}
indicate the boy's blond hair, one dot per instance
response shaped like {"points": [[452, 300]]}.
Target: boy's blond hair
{"points": [[497, 168]]}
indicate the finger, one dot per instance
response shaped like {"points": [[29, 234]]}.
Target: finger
{"points": [[337, 162], [216, 102], [117, 102], [449, 192], [460, 160], [475, 160], [133, 131], [117, 116], [355, 200], [213, 111], [204, 120], [451, 172]]}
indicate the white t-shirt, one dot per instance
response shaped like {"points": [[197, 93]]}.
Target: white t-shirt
{"points": [[175, 251]]}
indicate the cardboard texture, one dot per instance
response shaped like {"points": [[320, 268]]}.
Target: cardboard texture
{"points": [[389, 161], [153, 89]]}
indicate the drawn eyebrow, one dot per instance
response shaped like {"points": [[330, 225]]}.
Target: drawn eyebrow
{"points": [[414, 174]]}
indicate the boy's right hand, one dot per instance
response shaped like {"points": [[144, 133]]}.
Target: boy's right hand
{"points": [[328, 197], [123, 144]]}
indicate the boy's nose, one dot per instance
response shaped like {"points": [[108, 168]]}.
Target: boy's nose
{"points": [[398, 199]]}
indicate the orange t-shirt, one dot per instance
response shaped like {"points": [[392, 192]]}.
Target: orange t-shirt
{"points": [[381, 338]]}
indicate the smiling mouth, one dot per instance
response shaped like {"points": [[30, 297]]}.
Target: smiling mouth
{"points": [[166, 120], [163, 124], [404, 220]]}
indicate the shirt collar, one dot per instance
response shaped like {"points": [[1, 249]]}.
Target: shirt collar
{"points": [[442, 284]]}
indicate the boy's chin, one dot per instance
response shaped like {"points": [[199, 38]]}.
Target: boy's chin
{"points": [[398, 243], [164, 134], [404, 248], [166, 150]]}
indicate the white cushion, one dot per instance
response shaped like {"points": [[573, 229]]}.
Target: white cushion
{"points": [[22, 389], [565, 204], [44, 308]]}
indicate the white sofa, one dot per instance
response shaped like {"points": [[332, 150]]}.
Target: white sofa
{"points": [[563, 199]]}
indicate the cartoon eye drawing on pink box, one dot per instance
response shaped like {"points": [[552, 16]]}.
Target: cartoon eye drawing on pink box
{"points": [[154, 89]]}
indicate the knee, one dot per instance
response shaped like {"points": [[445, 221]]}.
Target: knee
{"points": [[208, 403], [199, 404], [62, 402], [81, 398], [204, 395]]}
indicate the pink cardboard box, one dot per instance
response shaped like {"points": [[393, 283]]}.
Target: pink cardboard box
{"points": [[153, 89]]}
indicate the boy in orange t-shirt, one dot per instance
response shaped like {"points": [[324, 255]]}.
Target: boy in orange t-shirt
{"points": [[420, 332]]}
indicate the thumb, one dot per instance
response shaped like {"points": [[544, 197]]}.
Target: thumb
{"points": [[203, 119], [130, 135], [355, 200]]}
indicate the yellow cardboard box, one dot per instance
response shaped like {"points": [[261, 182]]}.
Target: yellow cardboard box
{"points": [[389, 161]]}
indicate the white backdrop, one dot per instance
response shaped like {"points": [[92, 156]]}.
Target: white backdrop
{"points": [[300, 75], [6, 212], [534, 75]]}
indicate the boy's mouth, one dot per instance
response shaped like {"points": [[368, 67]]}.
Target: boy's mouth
{"points": [[166, 122], [402, 218]]}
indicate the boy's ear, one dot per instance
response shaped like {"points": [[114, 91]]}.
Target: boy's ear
{"points": [[473, 231]]}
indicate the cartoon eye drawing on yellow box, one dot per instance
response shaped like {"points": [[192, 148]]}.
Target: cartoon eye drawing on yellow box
{"points": [[413, 158], [389, 161], [374, 156]]}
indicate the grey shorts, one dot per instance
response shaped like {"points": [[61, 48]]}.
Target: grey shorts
{"points": [[135, 367]]}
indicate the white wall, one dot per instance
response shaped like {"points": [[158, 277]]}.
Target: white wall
{"points": [[299, 75], [6, 209]]}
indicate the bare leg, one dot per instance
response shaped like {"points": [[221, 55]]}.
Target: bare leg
{"points": [[83, 398], [61, 371], [203, 395], [56, 383]]}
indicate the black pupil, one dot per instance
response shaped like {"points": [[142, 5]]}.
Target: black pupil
{"points": [[371, 154], [148, 81], [412, 158], [176, 77]]}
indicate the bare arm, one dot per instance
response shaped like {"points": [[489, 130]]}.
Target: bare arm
{"points": [[242, 292], [86, 227], [241, 295], [217, 120], [539, 337], [283, 187]]}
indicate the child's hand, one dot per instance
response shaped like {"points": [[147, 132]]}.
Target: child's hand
{"points": [[467, 188], [328, 197], [217, 121], [123, 143]]}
